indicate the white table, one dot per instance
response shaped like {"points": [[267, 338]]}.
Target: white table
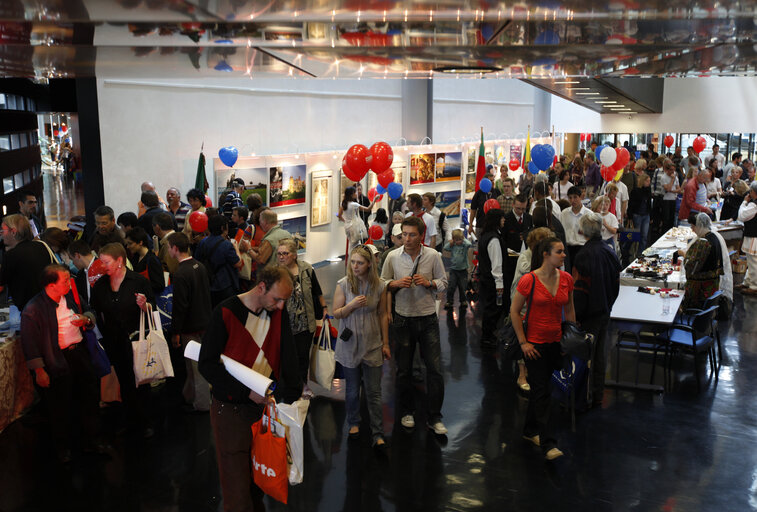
{"points": [[635, 312]]}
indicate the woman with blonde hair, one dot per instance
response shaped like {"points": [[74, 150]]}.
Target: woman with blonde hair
{"points": [[601, 205], [361, 303]]}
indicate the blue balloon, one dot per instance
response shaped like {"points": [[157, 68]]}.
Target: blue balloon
{"points": [[532, 167], [485, 185], [395, 190], [223, 66], [228, 155], [598, 151], [380, 189], [543, 155]]}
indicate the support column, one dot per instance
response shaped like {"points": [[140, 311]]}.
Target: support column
{"points": [[417, 110], [91, 156]]}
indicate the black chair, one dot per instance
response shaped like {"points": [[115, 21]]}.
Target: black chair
{"points": [[695, 338], [632, 337], [687, 317]]}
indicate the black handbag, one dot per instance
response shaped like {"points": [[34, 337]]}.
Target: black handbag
{"points": [[575, 341], [508, 336]]}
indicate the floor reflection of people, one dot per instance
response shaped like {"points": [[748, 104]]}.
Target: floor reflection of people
{"points": [[458, 344], [417, 470]]}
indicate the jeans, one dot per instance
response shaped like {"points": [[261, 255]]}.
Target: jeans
{"points": [[642, 223], [422, 330], [598, 326], [539, 416], [458, 279], [372, 388]]}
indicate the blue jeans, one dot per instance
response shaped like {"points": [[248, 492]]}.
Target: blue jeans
{"points": [[458, 280], [372, 389], [422, 330], [642, 223]]}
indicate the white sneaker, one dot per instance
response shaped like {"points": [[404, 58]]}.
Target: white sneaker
{"points": [[438, 428], [408, 421]]}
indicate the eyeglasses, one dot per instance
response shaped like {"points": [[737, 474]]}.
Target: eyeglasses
{"points": [[279, 253]]}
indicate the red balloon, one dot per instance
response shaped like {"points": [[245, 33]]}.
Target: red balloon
{"points": [[699, 144], [668, 141], [349, 173], [376, 233], [381, 157], [372, 194], [357, 160], [583, 137], [622, 159], [208, 201], [385, 178], [56, 133], [514, 165], [198, 221], [608, 173], [490, 204]]}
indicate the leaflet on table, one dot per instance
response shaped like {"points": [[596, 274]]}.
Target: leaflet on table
{"points": [[252, 379]]}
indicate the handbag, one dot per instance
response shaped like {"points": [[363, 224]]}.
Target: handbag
{"points": [[575, 341], [269, 455], [322, 358], [508, 336], [293, 418], [97, 355], [152, 360]]}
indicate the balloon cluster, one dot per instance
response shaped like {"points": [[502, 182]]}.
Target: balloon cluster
{"points": [[613, 160], [585, 137], [359, 160]]}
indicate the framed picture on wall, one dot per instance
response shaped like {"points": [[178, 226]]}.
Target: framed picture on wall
{"points": [[449, 166], [422, 168], [320, 207], [287, 185], [449, 202], [255, 179], [297, 227]]}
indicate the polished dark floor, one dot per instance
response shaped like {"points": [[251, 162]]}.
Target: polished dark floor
{"points": [[680, 451]]}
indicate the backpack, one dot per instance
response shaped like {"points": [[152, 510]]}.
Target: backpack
{"points": [[205, 260]]}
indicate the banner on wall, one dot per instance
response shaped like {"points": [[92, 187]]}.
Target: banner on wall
{"points": [[287, 185]]}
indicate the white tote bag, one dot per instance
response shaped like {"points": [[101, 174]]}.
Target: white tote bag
{"points": [[293, 417], [152, 360], [322, 361]]}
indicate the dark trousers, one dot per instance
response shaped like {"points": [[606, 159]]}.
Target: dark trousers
{"points": [[598, 326], [423, 331], [303, 341], [73, 400], [668, 215], [232, 433], [539, 416], [655, 218], [458, 280], [135, 399], [572, 255], [490, 312]]}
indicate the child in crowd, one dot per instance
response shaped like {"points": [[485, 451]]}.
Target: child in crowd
{"points": [[458, 271]]}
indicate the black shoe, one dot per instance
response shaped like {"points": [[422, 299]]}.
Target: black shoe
{"points": [[352, 436], [382, 449]]}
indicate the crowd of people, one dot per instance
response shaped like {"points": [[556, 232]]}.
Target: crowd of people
{"points": [[549, 251]]}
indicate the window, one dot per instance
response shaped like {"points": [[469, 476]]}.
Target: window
{"points": [[5, 142], [3, 105], [8, 185], [18, 180]]}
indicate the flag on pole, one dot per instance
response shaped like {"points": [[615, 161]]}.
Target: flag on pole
{"points": [[481, 162], [527, 150], [201, 183]]}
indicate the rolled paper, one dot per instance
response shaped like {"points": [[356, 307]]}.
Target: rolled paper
{"points": [[247, 376]]}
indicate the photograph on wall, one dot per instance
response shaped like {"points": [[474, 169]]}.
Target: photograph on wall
{"points": [[449, 202], [320, 212], [297, 227], [449, 166], [500, 154], [287, 185], [516, 152], [399, 173], [344, 182], [422, 168], [255, 178]]}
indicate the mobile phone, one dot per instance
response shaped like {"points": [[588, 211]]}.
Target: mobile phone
{"points": [[346, 334]]}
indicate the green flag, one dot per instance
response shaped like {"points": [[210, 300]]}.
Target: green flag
{"points": [[201, 183]]}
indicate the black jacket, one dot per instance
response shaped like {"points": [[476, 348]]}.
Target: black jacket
{"points": [[596, 274], [512, 231], [191, 298], [39, 333]]}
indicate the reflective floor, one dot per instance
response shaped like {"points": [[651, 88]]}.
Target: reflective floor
{"points": [[63, 198], [680, 451]]}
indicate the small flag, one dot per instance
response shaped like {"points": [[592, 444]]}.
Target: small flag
{"points": [[201, 183], [481, 163]]}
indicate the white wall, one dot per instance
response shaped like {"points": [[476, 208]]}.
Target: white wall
{"points": [[462, 106], [690, 105]]}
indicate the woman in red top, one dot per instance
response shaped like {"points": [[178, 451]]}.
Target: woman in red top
{"points": [[553, 294]]}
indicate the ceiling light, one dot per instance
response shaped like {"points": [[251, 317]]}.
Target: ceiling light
{"points": [[587, 94], [469, 70], [569, 82], [606, 102], [578, 88]]}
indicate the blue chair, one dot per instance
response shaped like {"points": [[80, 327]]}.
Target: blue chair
{"points": [[696, 338], [687, 316]]}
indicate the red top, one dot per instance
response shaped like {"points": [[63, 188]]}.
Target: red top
{"points": [[546, 311]]}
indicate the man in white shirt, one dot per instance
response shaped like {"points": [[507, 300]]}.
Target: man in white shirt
{"points": [[570, 218], [415, 207], [735, 162], [748, 215], [718, 157], [443, 231], [417, 275], [541, 194]]}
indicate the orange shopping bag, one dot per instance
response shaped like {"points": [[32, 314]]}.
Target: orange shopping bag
{"points": [[269, 456]]}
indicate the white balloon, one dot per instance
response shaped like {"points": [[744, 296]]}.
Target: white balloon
{"points": [[607, 156]]}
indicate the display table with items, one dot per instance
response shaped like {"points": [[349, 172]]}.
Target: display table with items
{"points": [[16, 387], [658, 265]]}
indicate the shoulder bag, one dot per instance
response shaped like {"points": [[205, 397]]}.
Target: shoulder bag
{"points": [[510, 343]]}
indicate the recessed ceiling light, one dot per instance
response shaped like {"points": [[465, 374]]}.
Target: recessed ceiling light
{"points": [[569, 82], [579, 88], [587, 94], [606, 102]]}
